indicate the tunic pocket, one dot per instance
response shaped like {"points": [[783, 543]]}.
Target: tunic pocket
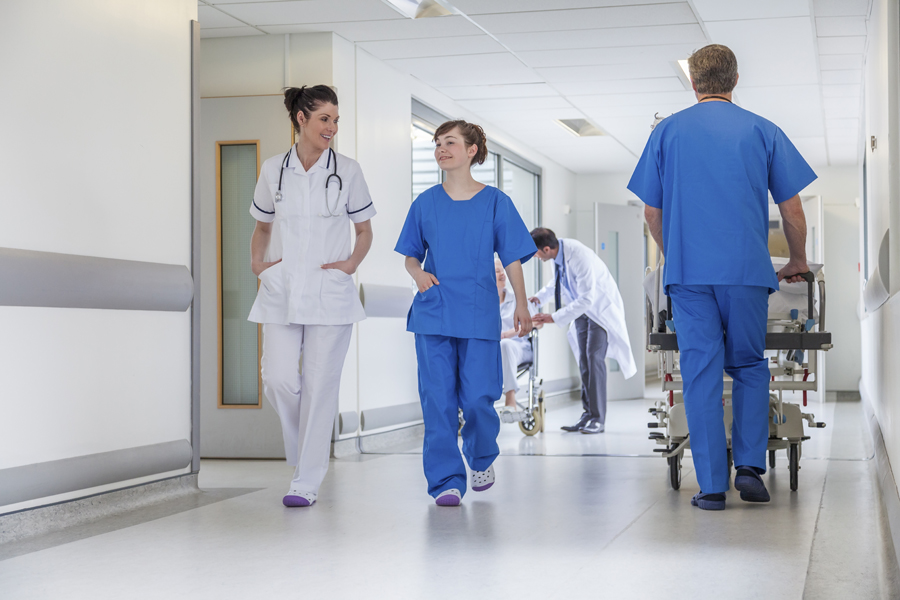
{"points": [[426, 308]]}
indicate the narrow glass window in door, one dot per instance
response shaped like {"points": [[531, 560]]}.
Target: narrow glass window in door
{"points": [[521, 186], [239, 339]]}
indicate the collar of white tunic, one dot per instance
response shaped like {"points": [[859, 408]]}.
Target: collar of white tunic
{"points": [[321, 163]]}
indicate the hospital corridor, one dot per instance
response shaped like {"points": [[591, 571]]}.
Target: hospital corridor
{"points": [[426, 299]]}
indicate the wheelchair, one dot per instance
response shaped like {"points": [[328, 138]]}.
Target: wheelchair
{"points": [[530, 414]]}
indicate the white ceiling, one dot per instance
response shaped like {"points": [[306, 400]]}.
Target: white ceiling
{"points": [[519, 64]]}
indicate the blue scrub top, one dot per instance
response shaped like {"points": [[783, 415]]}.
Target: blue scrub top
{"points": [[709, 168], [457, 240]]}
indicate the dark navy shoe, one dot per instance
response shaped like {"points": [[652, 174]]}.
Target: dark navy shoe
{"points": [[751, 485], [709, 501], [585, 417]]}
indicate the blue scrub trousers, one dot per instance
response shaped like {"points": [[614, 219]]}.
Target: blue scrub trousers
{"points": [[458, 373], [723, 327]]}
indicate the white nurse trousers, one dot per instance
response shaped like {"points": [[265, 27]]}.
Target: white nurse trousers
{"points": [[306, 402]]}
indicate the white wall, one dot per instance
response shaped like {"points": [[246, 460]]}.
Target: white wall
{"points": [[95, 117], [376, 102], [881, 328]]}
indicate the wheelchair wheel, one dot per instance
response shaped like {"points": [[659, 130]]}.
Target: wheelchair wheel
{"points": [[794, 465], [461, 423], [543, 410], [730, 462], [771, 459], [533, 423], [675, 471]]}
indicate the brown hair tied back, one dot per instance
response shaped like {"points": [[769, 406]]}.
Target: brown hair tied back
{"points": [[473, 135], [307, 99]]}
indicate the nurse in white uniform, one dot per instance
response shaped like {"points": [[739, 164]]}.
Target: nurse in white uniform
{"points": [[304, 202]]}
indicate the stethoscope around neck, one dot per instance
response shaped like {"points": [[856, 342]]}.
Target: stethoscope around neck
{"points": [[279, 196]]}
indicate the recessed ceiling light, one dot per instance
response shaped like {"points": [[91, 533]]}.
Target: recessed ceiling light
{"points": [[422, 9], [684, 68], [579, 127]]}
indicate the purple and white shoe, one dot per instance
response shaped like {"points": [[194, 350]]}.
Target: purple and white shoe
{"points": [[450, 497], [482, 480], [297, 498]]}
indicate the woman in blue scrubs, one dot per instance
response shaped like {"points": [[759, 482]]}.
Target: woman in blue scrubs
{"points": [[455, 228]]}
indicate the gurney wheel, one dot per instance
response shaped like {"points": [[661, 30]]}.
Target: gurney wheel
{"points": [[794, 465], [675, 471], [535, 423], [771, 459]]}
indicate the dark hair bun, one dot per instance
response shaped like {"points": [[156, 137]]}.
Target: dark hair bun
{"points": [[307, 100]]}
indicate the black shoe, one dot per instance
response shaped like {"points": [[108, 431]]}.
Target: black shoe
{"points": [[585, 417], [592, 426]]}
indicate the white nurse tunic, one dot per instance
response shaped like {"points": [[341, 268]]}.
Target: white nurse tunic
{"points": [[304, 237]]}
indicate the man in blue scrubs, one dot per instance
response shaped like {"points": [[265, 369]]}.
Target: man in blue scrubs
{"points": [[705, 175]]}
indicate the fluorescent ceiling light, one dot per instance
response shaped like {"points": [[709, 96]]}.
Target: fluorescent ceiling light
{"points": [[422, 9], [579, 127], [685, 69]]}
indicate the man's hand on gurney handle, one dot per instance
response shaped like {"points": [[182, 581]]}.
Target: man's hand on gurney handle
{"points": [[793, 271]]}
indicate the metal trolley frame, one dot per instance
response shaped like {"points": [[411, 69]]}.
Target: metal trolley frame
{"points": [[792, 346]]}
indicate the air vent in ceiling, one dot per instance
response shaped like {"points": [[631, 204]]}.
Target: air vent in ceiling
{"points": [[579, 127]]}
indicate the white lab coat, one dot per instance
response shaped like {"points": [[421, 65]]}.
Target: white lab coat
{"points": [[297, 290], [595, 295]]}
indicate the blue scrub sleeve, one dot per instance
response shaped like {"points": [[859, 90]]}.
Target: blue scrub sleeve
{"points": [[646, 182], [789, 172], [411, 242], [512, 240]]}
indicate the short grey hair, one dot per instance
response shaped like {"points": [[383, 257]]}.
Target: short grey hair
{"points": [[713, 69]]}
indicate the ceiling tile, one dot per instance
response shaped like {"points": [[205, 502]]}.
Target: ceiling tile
{"points": [[585, 88], [842, 123], [608, 101], [840, 26], [664, 110], [838, 62], [476, 69], [840, 77], [511, 104], [607, 56], [841, 8], [607, 72], [230, 32], [482, 7], [513, 90], [764, 64], [812, 149], [312, 11], [796, 109], [842, 45], [605, 38], [841, 91], [398, 29], [589, 18], [209, 17], [425, 47], [731, 10], [841, 107]]}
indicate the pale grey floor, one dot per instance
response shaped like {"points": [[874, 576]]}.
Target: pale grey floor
{"points": [[555, 525]]}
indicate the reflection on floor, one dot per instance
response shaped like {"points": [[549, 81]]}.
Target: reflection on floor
{"points": [[556, 525]]}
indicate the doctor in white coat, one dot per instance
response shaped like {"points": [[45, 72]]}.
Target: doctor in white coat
{"points": [[588, 302], [304, 203]]}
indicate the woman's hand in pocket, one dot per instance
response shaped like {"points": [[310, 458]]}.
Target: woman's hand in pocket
{"points": [[344, 266]]}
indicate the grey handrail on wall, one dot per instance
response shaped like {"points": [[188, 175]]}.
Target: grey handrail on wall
{"points": [[50, 279]]}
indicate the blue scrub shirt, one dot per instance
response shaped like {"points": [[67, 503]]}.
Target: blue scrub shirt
{"points": [[709, 169], [457, 240]]}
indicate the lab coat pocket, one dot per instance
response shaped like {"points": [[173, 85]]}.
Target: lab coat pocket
{"points": [[270, 279]]}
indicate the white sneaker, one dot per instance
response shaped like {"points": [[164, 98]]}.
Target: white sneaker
{"points": [[482, 480], [450, 497], [298, 498]]}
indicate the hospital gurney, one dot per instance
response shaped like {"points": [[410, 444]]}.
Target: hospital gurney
{"points": [[795, 333]]}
